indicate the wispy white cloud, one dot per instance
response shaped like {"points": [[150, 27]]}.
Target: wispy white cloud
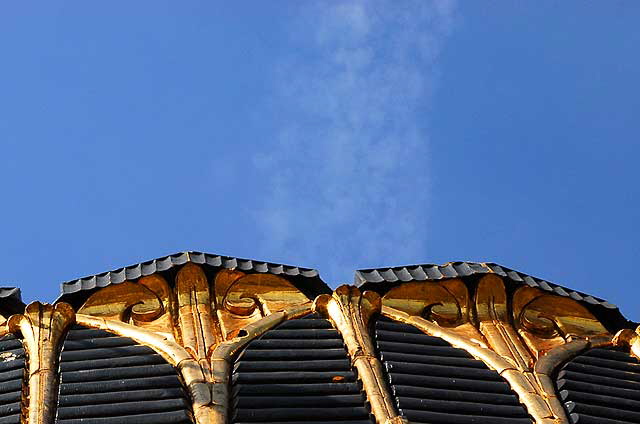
{"points": [[348, 176]]}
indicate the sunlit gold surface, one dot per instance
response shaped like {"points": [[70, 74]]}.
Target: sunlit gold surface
{"points": [[629, 339], [197, 325], [350, 312], [42, 327], [446, 303], [524, 337], [546, 321]]}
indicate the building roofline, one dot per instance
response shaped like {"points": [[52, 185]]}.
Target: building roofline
{"points": [[306, 279], [368, 278]]}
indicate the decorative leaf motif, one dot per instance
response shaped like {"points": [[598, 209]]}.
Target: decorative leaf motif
{"points": [[125, 301], [238, 303], [445, 303], [546, 321], [243, 295]]}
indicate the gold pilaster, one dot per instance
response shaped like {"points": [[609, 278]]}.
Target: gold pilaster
{"points": [[42, 327], [350, 312]]}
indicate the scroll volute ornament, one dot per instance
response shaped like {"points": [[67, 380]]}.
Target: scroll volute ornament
{"points": [[220, 308], [245, 298], [446, 303], [43, 327], [523, 335], [146, 303], [547, 321], [543, 321], [197, 324]]}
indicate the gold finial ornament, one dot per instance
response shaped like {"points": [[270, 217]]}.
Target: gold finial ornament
{"points": [[43, 327]]}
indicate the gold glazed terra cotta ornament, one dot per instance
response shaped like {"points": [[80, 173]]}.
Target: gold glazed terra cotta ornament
{"points": [[198, 317]]}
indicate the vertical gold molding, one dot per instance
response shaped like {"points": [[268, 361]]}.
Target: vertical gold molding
{"points": [[42, 327], [199, 332], [350, 312], [496, 326], [494, 322]]}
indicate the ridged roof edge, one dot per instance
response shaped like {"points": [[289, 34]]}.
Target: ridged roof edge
{"points": [[432, 272], [10, 294], [11, 300], [164, 263]]}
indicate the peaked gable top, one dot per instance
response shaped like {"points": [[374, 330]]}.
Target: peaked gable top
{"points": [[369, 278], [306, 278], [383, 279], [165, 263]]}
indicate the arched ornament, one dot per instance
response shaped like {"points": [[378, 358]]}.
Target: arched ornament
{"points": [[197, 324], [523, 336], [221, 307]]}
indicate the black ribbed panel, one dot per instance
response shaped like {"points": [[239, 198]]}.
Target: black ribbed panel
{"points": [[601, 386], [108, 379], [433, 382], [298, 372], [12, 373]]}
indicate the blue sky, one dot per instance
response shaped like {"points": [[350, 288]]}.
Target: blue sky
{"points": [[335, 135]]}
